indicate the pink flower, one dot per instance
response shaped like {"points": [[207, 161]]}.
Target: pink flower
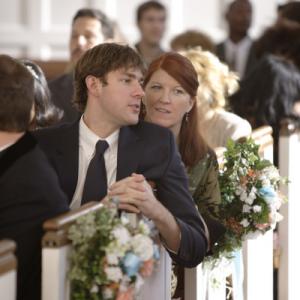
{"points": [[262, 226], [147, 268], [125, 295]]}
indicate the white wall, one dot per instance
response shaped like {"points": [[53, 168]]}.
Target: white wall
{"points": [[40, 28]]}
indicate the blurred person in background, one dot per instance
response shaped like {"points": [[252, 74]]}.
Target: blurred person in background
{"points": [[216, 83], [151, 21], [192, 38], [46, 113], [237, 49], [269, 94], [90, 27]]}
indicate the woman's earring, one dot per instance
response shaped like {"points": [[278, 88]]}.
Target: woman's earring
{"points": [[187, 117]]}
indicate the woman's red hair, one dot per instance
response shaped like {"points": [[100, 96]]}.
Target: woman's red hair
{"points": [[192, 147]]}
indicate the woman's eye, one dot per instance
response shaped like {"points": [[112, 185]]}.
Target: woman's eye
{"points": [[126, 80], [155, 87], [178, 91]]}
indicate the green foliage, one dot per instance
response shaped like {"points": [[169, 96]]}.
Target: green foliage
{"points": [[250, 196]]}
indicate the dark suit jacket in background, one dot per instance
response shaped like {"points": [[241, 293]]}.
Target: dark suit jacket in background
{"points": [[146, 149], [251, 59], [61, 90], [29, 195]]}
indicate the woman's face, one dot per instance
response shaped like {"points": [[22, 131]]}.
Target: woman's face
{"points": [[166, 101]]}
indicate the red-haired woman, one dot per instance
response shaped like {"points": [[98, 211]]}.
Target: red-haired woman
{"points": [[170, 94]]}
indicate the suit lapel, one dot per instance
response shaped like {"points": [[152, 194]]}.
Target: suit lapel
{"points": [[129, 152]]}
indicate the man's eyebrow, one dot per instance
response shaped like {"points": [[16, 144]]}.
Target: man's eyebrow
{"points": [[133, 75]]}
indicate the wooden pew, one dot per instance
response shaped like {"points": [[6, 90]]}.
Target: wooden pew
{"points": [[289, 238], [258, 253], [8, 270], [55, 264], [53, 68]]}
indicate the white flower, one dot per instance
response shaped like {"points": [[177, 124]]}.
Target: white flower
{"points": [[112, 258], [272, 173], [124, 219], [266, 182], [246, 208], [244, 161], [243, 196], [239, 190], [121, 234], [241, 171], [107, 293], [257, 208], [113, 273], [94, 289], [144, 227], [253, 190], [143, 246], [245, 223], [138, 284], [249, 200]]}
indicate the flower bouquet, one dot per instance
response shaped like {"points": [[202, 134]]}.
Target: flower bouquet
{"points": [[110, 258], [250, 196]]}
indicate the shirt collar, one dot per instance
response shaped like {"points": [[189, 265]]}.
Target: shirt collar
{"points": [[88, 139], [245, 41]]}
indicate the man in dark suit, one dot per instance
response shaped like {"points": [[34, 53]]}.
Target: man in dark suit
{"points": [[108, 92], [238, 49], [90, 27], [29, 187]]}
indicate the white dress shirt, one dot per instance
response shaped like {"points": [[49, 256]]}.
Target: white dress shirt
{"points": [[87, 147], [238, 53]]}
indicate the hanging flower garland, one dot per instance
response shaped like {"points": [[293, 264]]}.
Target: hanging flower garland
{"points": [[110, 258]]}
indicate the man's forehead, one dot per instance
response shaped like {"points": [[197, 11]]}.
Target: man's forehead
{"points": [[87, 23], [132, 71]]}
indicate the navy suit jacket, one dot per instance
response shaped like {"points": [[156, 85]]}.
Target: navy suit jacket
{"points": [[146, 149], [29, 195]]}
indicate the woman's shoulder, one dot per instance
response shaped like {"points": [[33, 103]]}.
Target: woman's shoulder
{"points": [[235, 125]]}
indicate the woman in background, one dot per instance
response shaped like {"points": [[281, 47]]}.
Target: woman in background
{"points": [[216, 83], [46, 113]]}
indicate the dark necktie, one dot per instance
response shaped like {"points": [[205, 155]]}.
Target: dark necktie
{"points": [[95, 186]]}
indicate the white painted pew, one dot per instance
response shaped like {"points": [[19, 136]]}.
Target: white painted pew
{"points": [[258, 253], [55, 265], [8, 270], [289, 237], [196, 285]]}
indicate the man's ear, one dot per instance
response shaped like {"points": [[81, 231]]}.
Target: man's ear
{"points": [[93, 85]]}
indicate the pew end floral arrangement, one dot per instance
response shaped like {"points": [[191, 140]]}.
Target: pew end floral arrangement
{"points": [[110, 258], [250, 197]]}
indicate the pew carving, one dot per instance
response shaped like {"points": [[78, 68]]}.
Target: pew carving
{"points": [[8, 270], [55, 263], [289, 239]]}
